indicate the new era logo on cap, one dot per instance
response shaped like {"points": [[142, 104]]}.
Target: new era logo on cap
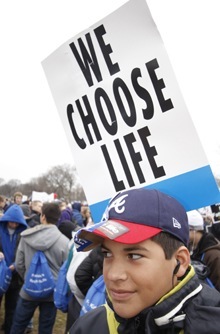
{"points": [[176, 224]]}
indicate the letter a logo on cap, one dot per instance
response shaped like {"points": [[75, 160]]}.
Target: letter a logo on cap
{"points": [[118, 204]]}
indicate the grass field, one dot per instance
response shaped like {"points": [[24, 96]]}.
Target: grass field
{"points": [[59, 327]]}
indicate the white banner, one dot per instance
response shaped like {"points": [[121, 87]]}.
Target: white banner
{"points": [[42, 196], [123, 113]]}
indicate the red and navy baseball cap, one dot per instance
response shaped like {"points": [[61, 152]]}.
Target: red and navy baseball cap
{"points": [[136, 215]]}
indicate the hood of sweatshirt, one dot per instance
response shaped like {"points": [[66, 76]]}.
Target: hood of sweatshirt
{"points": [[41, 237], [14, 214], [9, 242], [208, 241]]}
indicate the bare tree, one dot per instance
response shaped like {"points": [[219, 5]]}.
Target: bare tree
{"points": [[8, 189], [79, 194], [61, 180]]}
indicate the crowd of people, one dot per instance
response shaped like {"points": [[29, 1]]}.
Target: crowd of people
{"points": [[25, 227], [146, 247]]}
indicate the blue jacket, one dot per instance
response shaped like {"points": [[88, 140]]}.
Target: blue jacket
{"points": [[7, 206], [66, 214], [9, 243], [76, 206]]}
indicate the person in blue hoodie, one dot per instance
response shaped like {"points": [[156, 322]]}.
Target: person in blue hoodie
{"points": [[77, 215], [12, 223]]}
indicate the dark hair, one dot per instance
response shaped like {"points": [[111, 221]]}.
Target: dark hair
{"points": [[2, 198], [51, 212], [168, 242]]}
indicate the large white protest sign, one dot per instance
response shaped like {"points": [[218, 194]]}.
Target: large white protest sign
{"points": [[123, 113]]}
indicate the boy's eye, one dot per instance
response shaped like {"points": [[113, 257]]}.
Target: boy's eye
{"points": [[106, 253], [134, 256]]}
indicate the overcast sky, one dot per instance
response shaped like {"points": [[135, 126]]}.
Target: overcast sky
{"points": [[31, 134]]}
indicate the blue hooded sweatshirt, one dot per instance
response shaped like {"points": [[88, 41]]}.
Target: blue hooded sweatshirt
{"points": [[76, 206], [9, 242]]}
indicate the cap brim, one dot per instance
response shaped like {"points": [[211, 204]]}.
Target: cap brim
{"points": [[118, 231]]}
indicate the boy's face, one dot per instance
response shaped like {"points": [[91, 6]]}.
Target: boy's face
{"points": [[18, 200], [12, 225], [136, 276], [37, 206]]}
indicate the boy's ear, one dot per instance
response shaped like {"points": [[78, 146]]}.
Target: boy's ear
{"points": [[182, 260], [43, 218]]}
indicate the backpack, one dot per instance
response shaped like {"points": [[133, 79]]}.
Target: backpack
{"points": [[95, 296], [5, 277], [39, 282], [62, 292], [202, 271]]}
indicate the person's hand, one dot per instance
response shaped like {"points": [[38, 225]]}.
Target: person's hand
{"points": [[1, 256], [12, 267]]}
